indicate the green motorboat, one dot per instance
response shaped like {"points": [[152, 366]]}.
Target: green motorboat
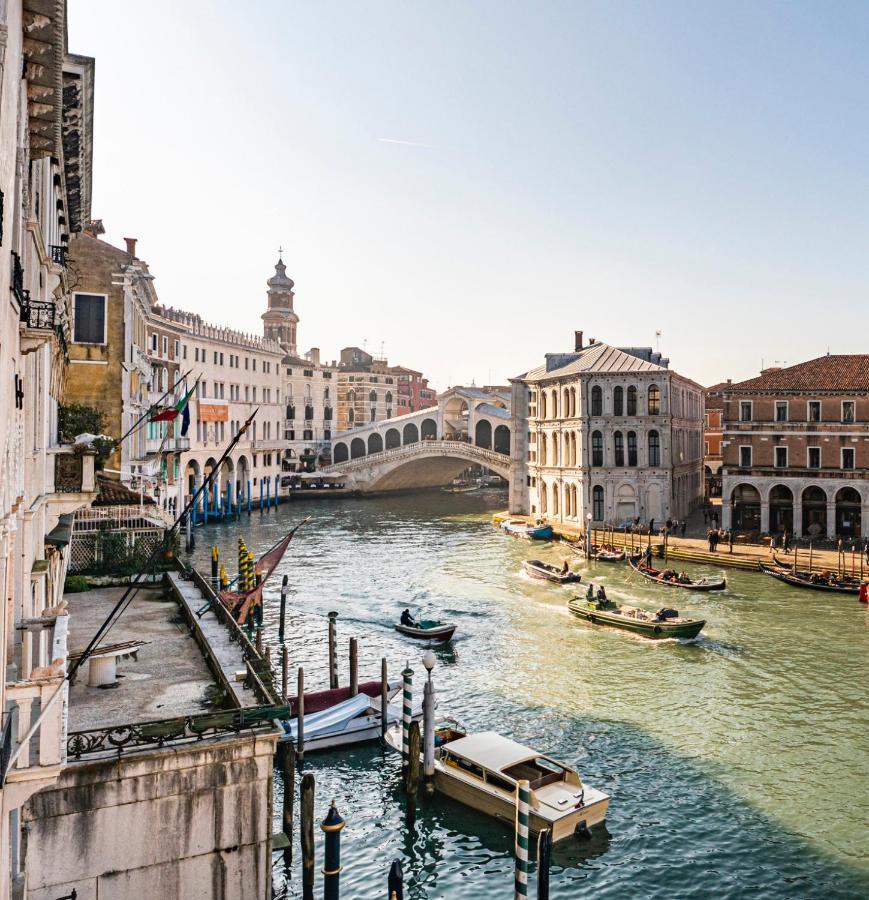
{"points": [[666, 623]]}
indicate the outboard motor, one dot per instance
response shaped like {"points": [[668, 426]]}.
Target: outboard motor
{"points": [[665, 613]]}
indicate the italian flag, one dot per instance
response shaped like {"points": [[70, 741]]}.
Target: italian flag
{"points": [[171, 413]]}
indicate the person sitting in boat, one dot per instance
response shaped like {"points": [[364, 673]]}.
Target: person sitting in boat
{"points": [[683, 578], [668, 574], [408, 620], [589, 594], [601, 598], [565, 568]]}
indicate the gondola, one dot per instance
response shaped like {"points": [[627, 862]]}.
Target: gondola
{"points": [[664, 624], [702, 584], [785, 572], [427, 631], [538, 569], [599, 554]]}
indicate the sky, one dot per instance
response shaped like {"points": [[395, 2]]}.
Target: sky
{"points": [[464, 184]]}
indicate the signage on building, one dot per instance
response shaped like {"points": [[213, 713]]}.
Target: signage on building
{"points": [[213, 412]]}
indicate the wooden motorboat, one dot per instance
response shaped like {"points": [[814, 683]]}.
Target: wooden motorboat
{"points": [[660, 577], [605, 553], [482, 770], [464, 488], [335, 719], [818, 581], [518, 528], [427, 630], [640, 621], [536, 568]]}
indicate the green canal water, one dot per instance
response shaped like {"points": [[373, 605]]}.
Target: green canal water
{"points": [[738, 763]]}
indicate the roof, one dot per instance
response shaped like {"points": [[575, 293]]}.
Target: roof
{"points": [[491, 751], [489, 409], [845, 372], [597, 357], [113, 493]]}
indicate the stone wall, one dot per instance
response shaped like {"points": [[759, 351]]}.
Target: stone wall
{"points": [[191, 821]]}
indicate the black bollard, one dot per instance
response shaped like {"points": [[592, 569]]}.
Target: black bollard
{"points": [[384, 698], [332, 825], [396, 881], [284, 590], [333, 651], [544, 856], [306, 835], [300, 715]]}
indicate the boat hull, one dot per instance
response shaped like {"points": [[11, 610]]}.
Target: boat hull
{"points": [[653, 630], [780, 572], [543, 574], [531, 532], [694, 586], [442, 634]]}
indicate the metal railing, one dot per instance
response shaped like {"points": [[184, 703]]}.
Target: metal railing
{"points": [[37, 314], [119, 739], [5, 746], [120, 518], [17, 286]]}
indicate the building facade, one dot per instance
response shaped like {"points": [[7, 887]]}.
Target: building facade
{"points": [[413, 391], [796, 450], [713, 434], [607, 435]]}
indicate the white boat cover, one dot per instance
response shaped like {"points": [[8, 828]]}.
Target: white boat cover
{"points": [[331, 720]]}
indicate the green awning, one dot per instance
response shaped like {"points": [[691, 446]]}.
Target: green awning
{"points": [[61, 534]]}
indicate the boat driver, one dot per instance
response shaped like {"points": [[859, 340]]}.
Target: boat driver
{"points": [[408, 620]]}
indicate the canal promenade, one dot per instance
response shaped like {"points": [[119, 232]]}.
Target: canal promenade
{"points": [[713, 751]]}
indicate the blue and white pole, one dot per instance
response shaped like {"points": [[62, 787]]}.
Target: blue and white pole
{"points": [[523, 802], [248, 496], [406, 713]]}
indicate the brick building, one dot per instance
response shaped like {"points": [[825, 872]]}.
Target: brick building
{"points": [[713, 433], [413, 391], [796, 449]]}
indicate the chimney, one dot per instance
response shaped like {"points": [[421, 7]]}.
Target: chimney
{"points": [[314, 355], [131, 246], [592, 342], [577, 341]]}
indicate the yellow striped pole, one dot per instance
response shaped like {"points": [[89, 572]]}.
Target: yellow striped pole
{"points": [[224, 581]]}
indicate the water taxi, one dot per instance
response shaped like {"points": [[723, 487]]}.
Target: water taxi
{"points": [[482, 770], [518, 528], [427, 630]]}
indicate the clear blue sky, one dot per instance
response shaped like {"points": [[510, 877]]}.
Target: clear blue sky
{"points": [[698, 168]]}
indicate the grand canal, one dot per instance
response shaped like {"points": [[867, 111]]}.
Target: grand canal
{"points": [[738, 764]]}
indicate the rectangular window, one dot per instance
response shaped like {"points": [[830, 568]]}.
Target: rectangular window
{"points": [[847, 457], [195, 354], [89, 315], [165, 345], [781, 457], [221, 359], [745, 411], [706, 448], [153, 343], [745, 457], [781, 410], [814, 411], [814, 459], [184, 348], [848, 411], [215, 357]]}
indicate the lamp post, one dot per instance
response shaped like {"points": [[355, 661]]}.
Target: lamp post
{"points": [[588, 518], [428, 724]]}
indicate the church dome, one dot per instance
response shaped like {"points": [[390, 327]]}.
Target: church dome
{"points": [[280, 279]]}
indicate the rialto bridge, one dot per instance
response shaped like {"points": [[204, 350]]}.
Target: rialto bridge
{"points": [[469, 426]]}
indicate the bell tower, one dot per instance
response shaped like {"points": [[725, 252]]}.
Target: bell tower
{"points": [[279, 319]]}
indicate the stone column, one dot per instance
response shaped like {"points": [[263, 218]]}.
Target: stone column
{"points": [[726, 513], [798, 515], [764, 516], [831, 518]]}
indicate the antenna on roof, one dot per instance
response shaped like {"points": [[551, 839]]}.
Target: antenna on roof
{"points": [[658, 340]]}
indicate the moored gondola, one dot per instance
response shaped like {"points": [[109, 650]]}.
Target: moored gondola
{"points": [[606, 553], [674, 579], [536, 568], [817, 581]]}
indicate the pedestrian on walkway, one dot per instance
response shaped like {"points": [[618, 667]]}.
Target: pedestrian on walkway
{"points": [[669, 524], [682, 527], [651, 526], [772, 545], [711, 537], [786, 543], [730, 539]]}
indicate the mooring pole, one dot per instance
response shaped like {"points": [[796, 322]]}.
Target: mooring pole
{"points": [[259, 642], [300, 715], [396, 881], [333, 651], [523, 798], [285, 587], [332, 825], [406, 712], [544, 857], [285, 671], [354, 667], [428, 732], [288, 759], [188, 531], [215, 567], [306, 835], [412, 785], [384, 698]]}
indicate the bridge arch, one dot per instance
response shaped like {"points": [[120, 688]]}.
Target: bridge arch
{"points": [[357, 448], [483, 434], [375, 442], [393, 439], [340, 453], [410, 434], [502, 440], [428, 430]]}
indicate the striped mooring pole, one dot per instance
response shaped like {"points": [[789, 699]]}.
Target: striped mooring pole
{"points": [[406, 713], [333, 650], [224, 580], [523, 800], [332, 825], [215, 566]]}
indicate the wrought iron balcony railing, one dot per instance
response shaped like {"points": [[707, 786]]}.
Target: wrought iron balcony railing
{"points": [[58, 254], [38, 314], [21, 295]]}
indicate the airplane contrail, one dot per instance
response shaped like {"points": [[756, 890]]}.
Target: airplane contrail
{"points": [[404, 143]]}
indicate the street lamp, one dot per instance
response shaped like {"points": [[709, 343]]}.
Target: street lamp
{"points": [[429, 660], [588, 535]]}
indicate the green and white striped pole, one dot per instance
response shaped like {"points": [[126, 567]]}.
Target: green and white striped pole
{"points": [[523, 800], [406, 713]]}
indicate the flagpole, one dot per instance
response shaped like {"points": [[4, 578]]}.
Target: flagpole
{"points": [[148, 411]]}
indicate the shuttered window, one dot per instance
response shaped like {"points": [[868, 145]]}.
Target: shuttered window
{"points": [[90, 319]]}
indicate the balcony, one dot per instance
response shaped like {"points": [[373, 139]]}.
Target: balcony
{"points": [[58, 254], [140, 360], [167, 445], [37, 319], [73, 472], [17, 286]]}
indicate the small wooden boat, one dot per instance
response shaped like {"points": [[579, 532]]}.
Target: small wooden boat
{"points": [[666, 623], [536, 568], [606, 553], [482, 770], [817, 581], [335, 719], [691, 584], [518, 528], [427, 630], [460, 488]]}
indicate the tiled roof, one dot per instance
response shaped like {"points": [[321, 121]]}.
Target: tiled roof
{"points": [[598, 357], [845, 372], [497, 412], [113, 493]]}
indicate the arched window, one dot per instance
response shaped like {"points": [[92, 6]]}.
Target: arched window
{"points": [[565, 404], [632, 447], [554, 449], [618, 402], [389, 398], [597, 503], [654, 448], [351, 416], [555, 499], [654, 400], [372, 396], [573, 403], [554, 404], [632, 401], [596, 448], [619, 445], [543, 404], [596, 401], [351, 397], [543, 495]]}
